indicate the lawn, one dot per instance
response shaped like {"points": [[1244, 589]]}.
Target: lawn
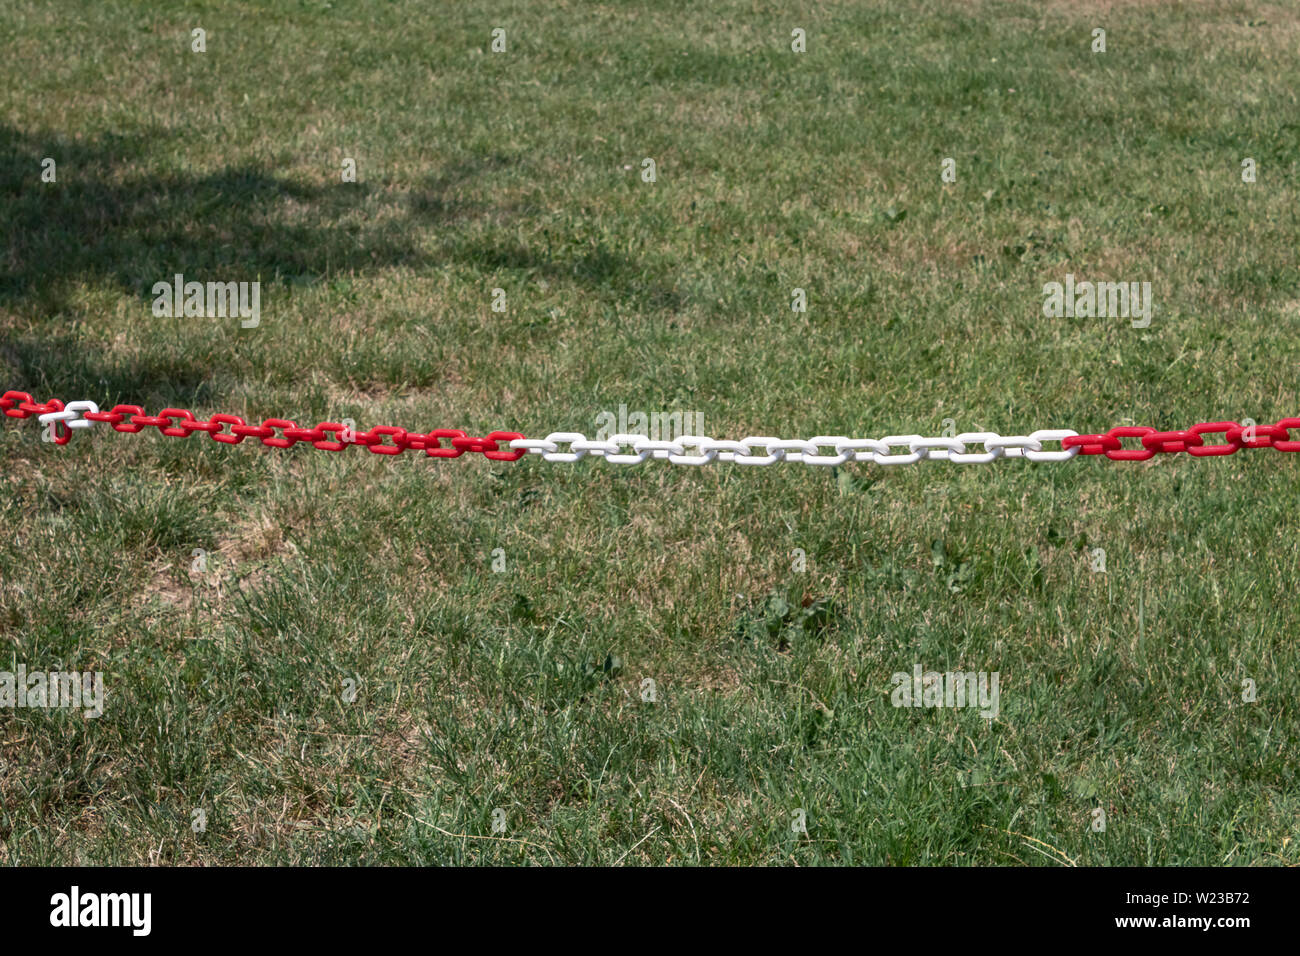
{"points": [[404, 660]]}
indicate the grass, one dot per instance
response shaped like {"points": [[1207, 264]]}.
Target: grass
{"points": [[230, 690]]}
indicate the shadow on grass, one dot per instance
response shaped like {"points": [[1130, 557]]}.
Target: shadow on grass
{"points": [[108, 221]]}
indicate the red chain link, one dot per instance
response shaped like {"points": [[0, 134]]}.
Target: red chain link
{"points": [[1171, 443], [20, 405], [390, 440], [274, 432]]}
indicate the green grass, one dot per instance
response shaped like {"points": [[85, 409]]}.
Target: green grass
{"points": [[522, 690]]}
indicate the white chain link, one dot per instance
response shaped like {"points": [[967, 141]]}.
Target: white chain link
{"points": [[700, 450], [71, 415]]}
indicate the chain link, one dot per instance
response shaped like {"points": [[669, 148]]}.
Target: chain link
{"points": [[70, 416], [272, 432], [689, 450], [763, 450], [1236, 437]]}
